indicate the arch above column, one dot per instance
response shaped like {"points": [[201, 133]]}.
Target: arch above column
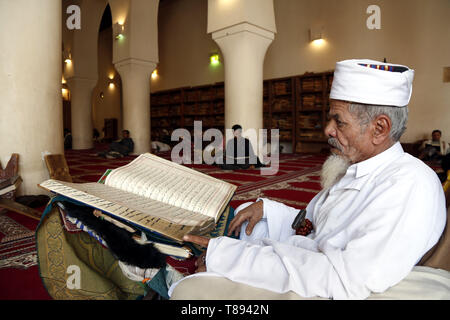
{"points": [[81, 73], [135, 56], [140, 21], [243, 30], [226, 13]]}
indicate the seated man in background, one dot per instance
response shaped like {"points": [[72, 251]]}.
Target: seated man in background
{"points": [[67, 139], [380, 209], [96, 135], [157, 144], [239, 152], [121, 148], [434, 149]]}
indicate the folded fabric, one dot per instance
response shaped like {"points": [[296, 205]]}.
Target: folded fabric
{"points": [[118, 240]]}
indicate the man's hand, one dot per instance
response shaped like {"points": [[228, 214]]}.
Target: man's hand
{"points": [[253, 213], [201, 263], [202, 241]]}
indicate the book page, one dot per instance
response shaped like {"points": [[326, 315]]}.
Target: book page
{"points": [[155, 178], [171, 221]]}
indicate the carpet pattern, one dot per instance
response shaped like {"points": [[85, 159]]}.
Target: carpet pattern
{"points": [[85, 166], [17, 242], [293, 184]]}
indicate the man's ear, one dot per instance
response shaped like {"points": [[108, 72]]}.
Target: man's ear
{"points": [[382, 128]]}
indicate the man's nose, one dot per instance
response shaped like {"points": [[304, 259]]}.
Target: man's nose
{"points": [[330, 131]]}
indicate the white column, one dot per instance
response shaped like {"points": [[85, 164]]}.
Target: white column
{"points": [[81, 111], [244, 47], [30, 86], [135, 75]]}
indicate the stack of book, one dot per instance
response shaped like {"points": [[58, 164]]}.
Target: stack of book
{"points": [[308, 101], [282, 123], [163, 199], [163, 99], [318, 101], [220, 92], [160, 111], [265, 90], [282, 87], [202, 109], [188, 121], [191, 95], [189, 109], [197, 109], [208, 122], [174, 122], [206, 94], [9, 184], [317, 84], [175, 110], [266, 106], [310, 134], [281, 105], [220, 120], [308, 85], [308, 121], [218, 108], [285, 135], [163, 122], [175, 97]]}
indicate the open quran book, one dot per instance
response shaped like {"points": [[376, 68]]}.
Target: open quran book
{"points": [[156, 195]]}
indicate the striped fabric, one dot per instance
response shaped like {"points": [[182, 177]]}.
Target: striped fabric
{"points": [[384, 67]]}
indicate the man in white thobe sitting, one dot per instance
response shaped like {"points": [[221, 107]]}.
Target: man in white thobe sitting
{"points": [[379, 212]]}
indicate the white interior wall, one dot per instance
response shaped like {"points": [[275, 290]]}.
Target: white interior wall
{"points": [[110, 105], [413, 32]]}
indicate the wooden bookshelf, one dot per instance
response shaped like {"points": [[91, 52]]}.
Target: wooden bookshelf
{"points": [[179, 108], [296, 105], [166, 111], [312, 106], [279, 107]]}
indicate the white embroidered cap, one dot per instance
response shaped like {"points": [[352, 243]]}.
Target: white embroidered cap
{"points": [[372, 82]]}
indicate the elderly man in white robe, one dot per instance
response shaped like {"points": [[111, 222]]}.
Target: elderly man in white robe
{"points": [[379, 212]]}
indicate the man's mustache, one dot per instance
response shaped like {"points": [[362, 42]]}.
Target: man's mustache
{"points": [[335, 143]]}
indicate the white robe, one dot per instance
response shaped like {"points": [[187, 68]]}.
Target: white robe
{"points": [[370, 229]]}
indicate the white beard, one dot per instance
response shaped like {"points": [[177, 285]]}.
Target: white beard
{"points": [[333, 169]]}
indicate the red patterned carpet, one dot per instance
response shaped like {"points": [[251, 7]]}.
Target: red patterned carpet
{"points": [[295, 184], [19, 278]]}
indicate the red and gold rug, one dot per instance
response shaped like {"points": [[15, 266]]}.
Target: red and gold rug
{"points": [[17, 244], [294, 184], [19, 277]]}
